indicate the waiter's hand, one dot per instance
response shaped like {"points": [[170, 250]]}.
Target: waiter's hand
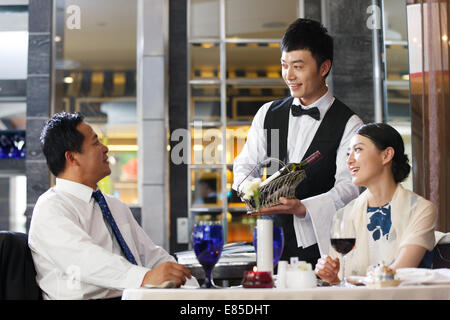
{"points": [[287, 206]]}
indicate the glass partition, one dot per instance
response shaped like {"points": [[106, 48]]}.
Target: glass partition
{"points": [[205, 103], [203, 19], [232, 74], [256, 19], [95, 74], [397, 110], [13, 79], [253, 60], [205, 184], [205, 60], [244, 100], [234, 68]]}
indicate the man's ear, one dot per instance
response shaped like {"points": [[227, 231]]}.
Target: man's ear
{"points": [[325, 67], [71, 159]]}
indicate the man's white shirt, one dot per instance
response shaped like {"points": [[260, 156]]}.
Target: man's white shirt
{"points": [[314, 227], [74, 251]]}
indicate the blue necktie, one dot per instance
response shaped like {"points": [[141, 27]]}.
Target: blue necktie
{"points": [[98, 196]]}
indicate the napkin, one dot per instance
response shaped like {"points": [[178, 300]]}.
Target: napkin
{"points": [[441, 238], [415, 276], [191, 283]]}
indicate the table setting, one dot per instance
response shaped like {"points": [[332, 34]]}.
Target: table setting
{"points": [[294, 280]]}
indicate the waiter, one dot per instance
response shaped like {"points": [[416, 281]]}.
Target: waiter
{"points": [[293, 128]]}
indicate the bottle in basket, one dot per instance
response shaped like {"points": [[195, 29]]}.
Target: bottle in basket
{"points": [[294, 167]]}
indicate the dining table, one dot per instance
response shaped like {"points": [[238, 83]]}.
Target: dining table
{"points": [[410, 292]]}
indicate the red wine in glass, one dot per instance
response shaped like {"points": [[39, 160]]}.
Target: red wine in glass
{"points": [[343, 245], [343, 239]]}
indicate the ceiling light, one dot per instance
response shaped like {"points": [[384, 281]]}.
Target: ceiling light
{"points": [[68, 80]]}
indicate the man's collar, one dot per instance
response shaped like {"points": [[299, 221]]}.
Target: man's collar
{"points": [[81, 191], [323, 103]]}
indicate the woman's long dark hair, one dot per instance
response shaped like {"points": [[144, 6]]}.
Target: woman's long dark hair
{"points": [[383, 136]]}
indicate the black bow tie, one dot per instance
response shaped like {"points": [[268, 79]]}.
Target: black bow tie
{"points": [[298, 111]]}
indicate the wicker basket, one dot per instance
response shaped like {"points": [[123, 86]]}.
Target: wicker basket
{"points": [[282, 186]]}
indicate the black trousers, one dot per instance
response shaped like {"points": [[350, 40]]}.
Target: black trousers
{"points": [[309, 254], [111, 299]]}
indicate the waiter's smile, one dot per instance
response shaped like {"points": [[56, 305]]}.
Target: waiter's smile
{"points": [[303, 76], [295, 86]]}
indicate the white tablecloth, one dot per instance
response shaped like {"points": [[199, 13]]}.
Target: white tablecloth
{"points": [[422, 292]]}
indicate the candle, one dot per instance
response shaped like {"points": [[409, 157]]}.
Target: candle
{"points": [[264, 256], [257, 279]]}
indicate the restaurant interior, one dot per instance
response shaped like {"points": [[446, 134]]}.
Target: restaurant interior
{"points": [[165, 83]]}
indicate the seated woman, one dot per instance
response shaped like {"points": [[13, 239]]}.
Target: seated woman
{"points": [[392, 224]]}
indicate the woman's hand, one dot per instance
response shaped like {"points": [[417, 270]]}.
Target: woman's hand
{"points": [[327, 269]]}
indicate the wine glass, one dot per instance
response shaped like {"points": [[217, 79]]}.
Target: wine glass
{"points": [[207, 238], [343, 238], [278, 242]]}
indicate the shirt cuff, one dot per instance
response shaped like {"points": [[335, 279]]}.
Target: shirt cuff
{"points": [[304, 231], [321, 209], [135, 276], [303, 228]]}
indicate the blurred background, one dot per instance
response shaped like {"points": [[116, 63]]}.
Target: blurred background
{"points": [[141, 69]]}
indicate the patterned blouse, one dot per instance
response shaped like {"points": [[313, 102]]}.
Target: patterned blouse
{"points": [[380, 233]]}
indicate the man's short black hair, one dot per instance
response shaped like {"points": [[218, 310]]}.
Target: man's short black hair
{"points": [[307, 34], [59, 135]]}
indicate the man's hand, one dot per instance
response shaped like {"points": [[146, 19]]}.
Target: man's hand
{"points": [[287, 206], [167, 271]]}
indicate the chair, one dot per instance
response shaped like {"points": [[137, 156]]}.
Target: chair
{"points": [[17, 272], [427, 260], [439, 257], [441, 251]]}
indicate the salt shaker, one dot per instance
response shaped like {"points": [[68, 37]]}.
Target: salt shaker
{"points": [[281, 277], [294, 262]]}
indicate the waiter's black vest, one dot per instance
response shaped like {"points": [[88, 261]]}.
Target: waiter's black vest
{"points": [[320, 176]]}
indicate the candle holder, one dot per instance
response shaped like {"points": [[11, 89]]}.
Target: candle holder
{"points": [[257, 279]]}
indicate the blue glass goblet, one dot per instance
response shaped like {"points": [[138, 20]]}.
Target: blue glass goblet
{"points": [[207, 238], [278, 242]]}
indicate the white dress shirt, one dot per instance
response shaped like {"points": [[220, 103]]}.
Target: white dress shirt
{"points": [[74, 251], [315, 226]]}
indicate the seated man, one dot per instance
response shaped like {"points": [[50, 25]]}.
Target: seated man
{"points": [[85, 244]]}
